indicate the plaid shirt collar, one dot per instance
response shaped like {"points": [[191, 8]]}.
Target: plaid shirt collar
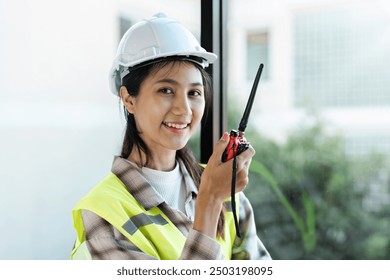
{"points": [[136, 183]]}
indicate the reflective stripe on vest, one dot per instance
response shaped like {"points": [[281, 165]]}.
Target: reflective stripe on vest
{"points": [[140, 220], [151, 231]]}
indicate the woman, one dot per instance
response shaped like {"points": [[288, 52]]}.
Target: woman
{"points": [[158, 202]]}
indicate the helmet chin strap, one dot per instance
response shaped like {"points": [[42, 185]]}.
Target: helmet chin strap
{"points": [[123, 72]]}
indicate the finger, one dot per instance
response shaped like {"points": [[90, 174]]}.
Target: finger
{"points": [[246, 156], [241, 183], [248, 153], [242, 177], [220, 147], [252, 150], [222, 143], [245, 164]]}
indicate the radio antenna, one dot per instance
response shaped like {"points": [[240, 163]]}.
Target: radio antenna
{"points": [[245, 116]]}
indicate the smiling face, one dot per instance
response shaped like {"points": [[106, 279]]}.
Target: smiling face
{"points": [[168, 107]]}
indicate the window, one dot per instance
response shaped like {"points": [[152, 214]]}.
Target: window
{"points": [[257, 51], [341, 57]]}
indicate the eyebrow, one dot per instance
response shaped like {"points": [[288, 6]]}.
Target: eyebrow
{"points": [[171, 81]]}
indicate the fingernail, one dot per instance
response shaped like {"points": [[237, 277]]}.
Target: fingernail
{"points": [[225, 136]]}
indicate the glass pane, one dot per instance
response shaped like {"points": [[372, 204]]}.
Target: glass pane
{"points": [[341, 55], [320, 179], [257, 50]]}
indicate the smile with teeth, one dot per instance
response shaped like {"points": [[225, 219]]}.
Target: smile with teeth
{"points": [[176, 125]]}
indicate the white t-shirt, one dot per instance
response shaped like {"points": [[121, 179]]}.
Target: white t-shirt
{"points": [[170, 185]]}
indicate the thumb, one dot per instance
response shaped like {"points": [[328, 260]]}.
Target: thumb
{"points": [[223, 141], [220, 146]]}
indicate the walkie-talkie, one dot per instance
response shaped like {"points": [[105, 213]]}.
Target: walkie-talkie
{"points": [[238, 143]]}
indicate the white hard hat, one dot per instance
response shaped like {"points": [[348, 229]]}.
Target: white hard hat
{"points": [[156, 38]]}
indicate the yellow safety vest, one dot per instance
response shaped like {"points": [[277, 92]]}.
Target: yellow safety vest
{"points": [[151, 231]]}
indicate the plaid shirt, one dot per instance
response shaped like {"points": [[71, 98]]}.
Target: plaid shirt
{"points": [[105, 242]]}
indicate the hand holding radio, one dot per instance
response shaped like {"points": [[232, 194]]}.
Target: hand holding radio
{"points": [[213, 189], [217, 175], [237, 144]]}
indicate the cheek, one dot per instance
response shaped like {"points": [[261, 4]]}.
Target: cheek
{"points": [[146, 117], [149, 107], [198, 110]]}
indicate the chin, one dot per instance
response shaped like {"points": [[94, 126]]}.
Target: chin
{"points": [[179, 146]]}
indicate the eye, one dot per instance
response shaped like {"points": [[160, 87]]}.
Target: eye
{"points": [[166, 91], [195, 93]]}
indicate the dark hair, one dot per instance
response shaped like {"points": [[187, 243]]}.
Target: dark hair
{"points": [[132, 82]]}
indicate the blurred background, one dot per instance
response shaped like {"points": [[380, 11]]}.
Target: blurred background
{"points": [[320, 180]]}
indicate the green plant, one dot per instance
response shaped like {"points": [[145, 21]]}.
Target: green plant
{"points": [[306, 226], [310, 199]]}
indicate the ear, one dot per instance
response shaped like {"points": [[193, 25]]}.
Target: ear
{"points": [[127, 99]]}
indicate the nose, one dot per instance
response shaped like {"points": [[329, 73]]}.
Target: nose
{"points": [[181, 105]]}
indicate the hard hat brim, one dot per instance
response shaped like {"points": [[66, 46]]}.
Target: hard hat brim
{"points": [[208, 58]]}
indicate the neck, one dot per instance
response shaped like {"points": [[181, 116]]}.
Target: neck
{"points": [[161, 161]]}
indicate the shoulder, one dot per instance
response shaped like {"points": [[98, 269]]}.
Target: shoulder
{"points": [[109, 190], [111, 184]]}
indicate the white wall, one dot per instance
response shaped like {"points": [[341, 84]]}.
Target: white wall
{"points": [[59, 125]]}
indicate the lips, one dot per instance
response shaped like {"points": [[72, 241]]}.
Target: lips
{"points": [[176, 125]]}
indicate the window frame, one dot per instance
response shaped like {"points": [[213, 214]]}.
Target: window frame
{"points": [[213, 38]]}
